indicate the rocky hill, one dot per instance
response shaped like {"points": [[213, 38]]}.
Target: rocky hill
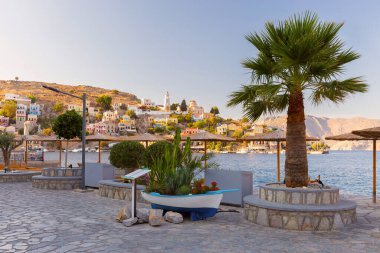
{"points": [[322, 127], [48, 97]]}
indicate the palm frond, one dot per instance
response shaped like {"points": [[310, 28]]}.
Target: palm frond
{"points": [[337, 91]]}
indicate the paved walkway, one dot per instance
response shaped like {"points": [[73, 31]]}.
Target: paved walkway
{"points": [[35, 220]]}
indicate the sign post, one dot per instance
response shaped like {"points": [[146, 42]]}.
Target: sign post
{"points": [[133, 176]]}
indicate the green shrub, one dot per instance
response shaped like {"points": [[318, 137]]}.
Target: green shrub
{"points": [[127, 155], [156, 150]]}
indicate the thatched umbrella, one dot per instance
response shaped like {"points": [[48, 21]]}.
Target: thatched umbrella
{"points": [[206, 137], [43, 138], [147, 137], [278, 137], [99, 138], [374, 135]]}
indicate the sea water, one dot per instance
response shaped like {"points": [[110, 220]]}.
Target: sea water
{"points": [[351, 171]]}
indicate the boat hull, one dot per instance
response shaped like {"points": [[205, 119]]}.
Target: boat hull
{"points": [[200, 206]]}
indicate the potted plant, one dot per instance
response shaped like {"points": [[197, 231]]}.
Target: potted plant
{"points": [[173, 185]]}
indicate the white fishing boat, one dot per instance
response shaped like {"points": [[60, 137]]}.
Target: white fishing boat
{"points": [[200, 206], [242, 151]]}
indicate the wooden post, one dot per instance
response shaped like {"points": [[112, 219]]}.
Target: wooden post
{"points": [[374, 173], [146, 144], [205, 154], [99, 155], [278, 162], [60, 154], [26, 154]]}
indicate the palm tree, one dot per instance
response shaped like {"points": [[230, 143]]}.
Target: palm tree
{"points": [[296, 57]]}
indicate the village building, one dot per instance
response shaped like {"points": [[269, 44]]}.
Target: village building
{"points": [[19, 99], [35, 109], [21, 112], [4, 121], [147, 102], [110, 116], [196, 110], [189, 131], [222, 129]]}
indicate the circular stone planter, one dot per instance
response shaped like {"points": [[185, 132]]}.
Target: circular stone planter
{"points": [[118, 190], [276, 192], [58, 179], [15, 177], [302, 209]]}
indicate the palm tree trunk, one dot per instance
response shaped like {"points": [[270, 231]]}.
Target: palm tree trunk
{"points": [[7, 158], [296, 168]]}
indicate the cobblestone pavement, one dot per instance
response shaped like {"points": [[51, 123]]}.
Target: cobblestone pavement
{"points": [[36, 220]]}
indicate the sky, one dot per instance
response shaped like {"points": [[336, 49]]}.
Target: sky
{"points": [[191, 48]]}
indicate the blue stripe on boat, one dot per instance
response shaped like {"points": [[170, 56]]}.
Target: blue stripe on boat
{"points": [[195, 213]]}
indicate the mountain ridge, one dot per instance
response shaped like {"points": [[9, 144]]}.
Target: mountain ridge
{"points": [[48, 97], [322, 127]]}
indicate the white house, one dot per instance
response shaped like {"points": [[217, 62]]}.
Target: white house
{"points": [[109, 116], [147, 102]]}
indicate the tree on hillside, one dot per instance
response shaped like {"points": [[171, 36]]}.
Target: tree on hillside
{"points": [[9, 109], [214, 110], [183, 106], [131, 114], [47, 132], [68, 126], [32, 98], [58, 107], [104, 101], [7, 144], [298, 56], [174, 106]]}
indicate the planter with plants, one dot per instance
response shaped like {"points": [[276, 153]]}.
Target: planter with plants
{"points": [[173, 186]]}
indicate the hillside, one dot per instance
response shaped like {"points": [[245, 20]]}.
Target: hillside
{"points": [[48, 97], [322, 127]]}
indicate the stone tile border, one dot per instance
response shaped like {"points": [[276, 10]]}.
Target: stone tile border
{"points": [[299, 196], [18, 177], [299, 217], [119, 190]]}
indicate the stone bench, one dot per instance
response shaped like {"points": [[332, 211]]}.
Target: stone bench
{"points": [[275, 192], [299, 217], [14, 177], [62, 172], [118, 190], [56, 183]]}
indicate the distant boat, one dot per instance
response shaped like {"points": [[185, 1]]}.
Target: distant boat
{"points": [[242, 151], [223, 152], [319, 152]]}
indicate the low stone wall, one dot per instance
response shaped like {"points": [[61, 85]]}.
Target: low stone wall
{"points": [[299, 217], [56, 183], [58, 179], [61, 172], [299, 196], [18, 177], [118, 190]]}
